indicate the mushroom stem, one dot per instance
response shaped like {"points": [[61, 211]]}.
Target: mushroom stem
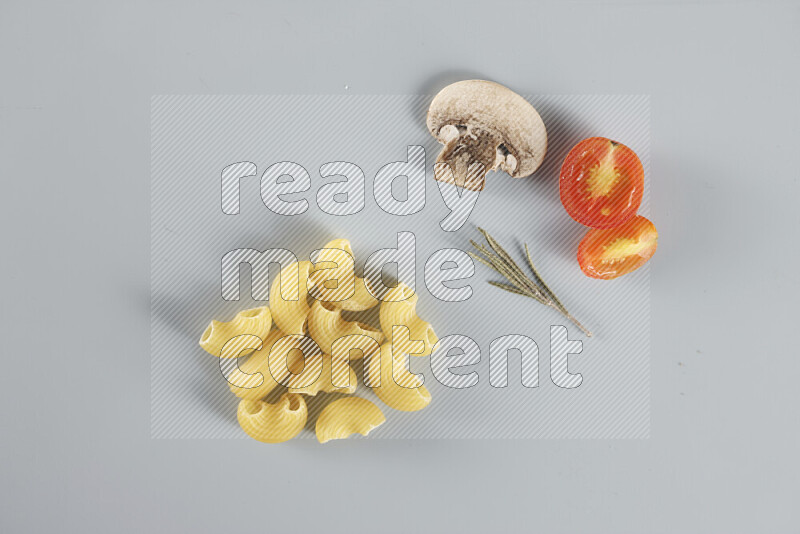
{"points": [[465, 160]]}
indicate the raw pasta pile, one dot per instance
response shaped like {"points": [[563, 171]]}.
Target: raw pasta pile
{"points": [[307, 349]]}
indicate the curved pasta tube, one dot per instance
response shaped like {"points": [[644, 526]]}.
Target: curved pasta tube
{"points": [[355, 347], [335, 279], [290, 315], [399, 308], [253, 322], [252, 379], [326, 325], [345, 417], [393, 383], [295, 359], [334, 376], [361, 300], [273, 423]]}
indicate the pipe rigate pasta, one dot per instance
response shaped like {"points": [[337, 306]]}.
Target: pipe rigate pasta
{"points": [[335, 280], [291, 360], [334, 375], [326, 325], [307, 349], [399, 309], [290, 315], [345, 417], [355, 347], [273, 423], [398, 389], [253, 322], [253, 379], [361, 300]]}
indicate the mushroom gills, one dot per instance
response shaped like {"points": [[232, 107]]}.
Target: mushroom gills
{"points": [[466, 158]]}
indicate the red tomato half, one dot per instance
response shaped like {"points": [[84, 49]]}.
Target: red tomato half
{"points": [[601, 183], [610, 253]]}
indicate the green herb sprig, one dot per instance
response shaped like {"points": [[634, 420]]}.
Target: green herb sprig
{"points": [[519, 283]]}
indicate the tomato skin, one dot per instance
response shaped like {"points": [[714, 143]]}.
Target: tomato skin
{"points": [[609, 253], [601, 183]]}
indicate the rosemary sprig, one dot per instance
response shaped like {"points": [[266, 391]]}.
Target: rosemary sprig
{"points": [[519, 283]]}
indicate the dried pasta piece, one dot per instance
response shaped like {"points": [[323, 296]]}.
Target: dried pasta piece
{"points": [[253, 379], [273, 423], [355, 347], [290, 315], [399, 308], [344, 417], [362, 300], [335, 280], [326, 325], [334, 376], [391, 381], [239, 331], [295, 359]]}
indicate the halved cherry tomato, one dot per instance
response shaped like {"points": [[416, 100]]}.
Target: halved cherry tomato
{"points": [[601, 183], [610, 253]]}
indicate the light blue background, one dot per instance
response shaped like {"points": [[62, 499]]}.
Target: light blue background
{"points": [[74, 146]]}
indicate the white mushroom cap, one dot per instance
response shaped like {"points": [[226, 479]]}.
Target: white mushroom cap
{"points": [[494, 116]]}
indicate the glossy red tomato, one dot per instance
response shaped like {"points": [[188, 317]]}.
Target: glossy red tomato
{"points": [[601, 183], [610, 253]]}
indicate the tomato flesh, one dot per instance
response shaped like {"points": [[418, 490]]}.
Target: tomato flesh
{"points": [[601, 183], [609, 253]]}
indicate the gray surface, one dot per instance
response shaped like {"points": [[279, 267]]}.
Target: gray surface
{"points": [[76, 451]]}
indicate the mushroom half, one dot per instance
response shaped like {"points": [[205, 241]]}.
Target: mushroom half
{"points": [[484, 125]]}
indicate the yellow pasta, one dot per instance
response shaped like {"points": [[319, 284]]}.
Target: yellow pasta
{"points": [[253, 379], [335, 280], [273, 423], [345, 417], [391, 381], [334, 277], [361, 300], [334, 376], [247, 323], [326, 325], [355, 346], [290, 315], [294, 360], [306, 349], [399, 309]]}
